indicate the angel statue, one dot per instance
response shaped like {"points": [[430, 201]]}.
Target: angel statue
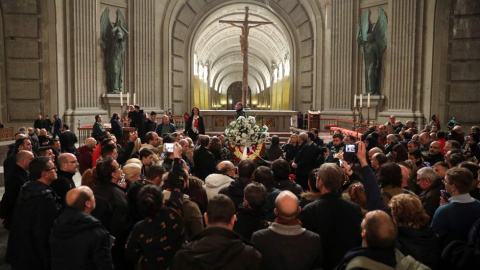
{"points": [[372, 42], [113, 39]]}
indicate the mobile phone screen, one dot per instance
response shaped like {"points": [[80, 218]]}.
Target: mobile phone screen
{"points": [[168, 147]]}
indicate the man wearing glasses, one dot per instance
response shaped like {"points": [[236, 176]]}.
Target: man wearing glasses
{"points": [[35, 211], [67, 168], [453, 220]]}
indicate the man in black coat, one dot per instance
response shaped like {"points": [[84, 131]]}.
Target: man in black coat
{"points": [[48, 124], [116, 128], [285, 244], [112, 208], [39, 123], [335, 219], [203, 159], [151, 124], [35, 211], [304, 161], [68, 140], [67, 164], [235, 191], [57, 125], [337, 146], [22, 143], [251, 216], [217, 247], [13, 184], [78, 240]]}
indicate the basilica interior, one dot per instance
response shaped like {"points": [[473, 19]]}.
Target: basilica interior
{"points": [[178, 55]]}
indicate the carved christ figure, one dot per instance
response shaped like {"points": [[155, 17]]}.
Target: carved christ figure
{"points": [[245, 25]]}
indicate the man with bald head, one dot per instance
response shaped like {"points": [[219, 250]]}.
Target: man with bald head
{"points": [[373, 151], [435, 153], [285, 244], [220, 179], [78, 240], [67, 167], [17, 178], [425, 142], [84, 155], [378, 243]]}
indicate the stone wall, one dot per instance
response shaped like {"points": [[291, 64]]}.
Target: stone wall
{"points": [[23, 89], [463, 93]]}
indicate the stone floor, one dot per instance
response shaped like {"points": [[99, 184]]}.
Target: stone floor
{"points": [[77, 178]]}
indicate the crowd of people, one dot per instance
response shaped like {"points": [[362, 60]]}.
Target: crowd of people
{"points": [[395, 198]]}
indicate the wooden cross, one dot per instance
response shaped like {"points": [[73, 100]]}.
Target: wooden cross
{"points": [[245, 25]]}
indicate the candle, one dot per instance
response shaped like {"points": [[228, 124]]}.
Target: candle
{"points": [[134, 98], [128, 99], [361, 101], [121, 99], [354, 101], [368, 101]]}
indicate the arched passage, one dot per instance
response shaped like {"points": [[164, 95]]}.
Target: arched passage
{"points": [[282, 53]]}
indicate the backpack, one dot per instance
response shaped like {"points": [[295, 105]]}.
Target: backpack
{"points": [[403, 263]]}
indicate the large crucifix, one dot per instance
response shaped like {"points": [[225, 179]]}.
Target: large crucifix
{"points": [[245, 25]]}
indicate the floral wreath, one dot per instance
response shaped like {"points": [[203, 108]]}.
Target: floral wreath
{"points": [[254, 154], [242, 134]]}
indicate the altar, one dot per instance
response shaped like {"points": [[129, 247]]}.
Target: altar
{"points": [[277, 121]]}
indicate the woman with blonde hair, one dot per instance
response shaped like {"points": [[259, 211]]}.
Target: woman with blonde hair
{"points": [[132, 172], [43, 137], [189, 153], [290, 149], [415, 236]]}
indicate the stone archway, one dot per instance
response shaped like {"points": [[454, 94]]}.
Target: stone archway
{"points": [[295, 19], [234, 95]]}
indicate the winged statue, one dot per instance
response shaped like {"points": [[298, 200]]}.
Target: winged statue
{"points": [[113, 40], [372, 42]]}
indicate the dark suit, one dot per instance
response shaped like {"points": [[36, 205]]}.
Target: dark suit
{"points": [[68, 140], [117, 129], [97, 130], [200, 129], [204, 162], [56, 127], [17, 178], [337, 221], [305, 160]]}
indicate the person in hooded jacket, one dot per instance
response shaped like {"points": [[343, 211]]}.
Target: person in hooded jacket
{"points": [[222, 178], [217, 247], [78, 240]]}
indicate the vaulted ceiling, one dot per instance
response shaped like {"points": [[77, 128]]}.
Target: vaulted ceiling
{"points": [[217, 45]]}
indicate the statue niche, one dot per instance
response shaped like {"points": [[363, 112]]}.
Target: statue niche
{"points": [[372, 42], [113, 40]]}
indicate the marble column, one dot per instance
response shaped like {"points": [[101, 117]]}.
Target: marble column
{"points": [[343, 36], [403, 21], [84, 44], [144, 54]]}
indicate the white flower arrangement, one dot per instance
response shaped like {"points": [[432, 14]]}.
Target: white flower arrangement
{"points": [[245, 131]]}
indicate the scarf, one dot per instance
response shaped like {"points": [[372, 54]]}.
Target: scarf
{"points": [[288, 222]]}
